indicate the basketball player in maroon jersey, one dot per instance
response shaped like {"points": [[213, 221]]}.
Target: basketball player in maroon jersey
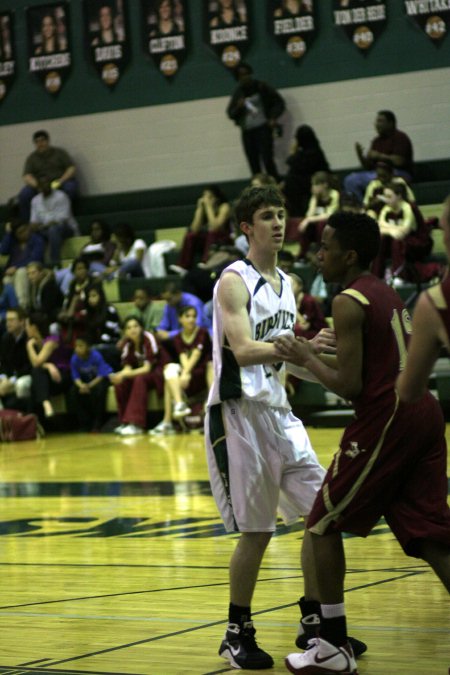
{"points": [[392, 457]]}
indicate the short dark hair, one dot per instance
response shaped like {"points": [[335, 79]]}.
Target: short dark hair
{"points": [[20, 311], [389, 115], [40, 321], [253, 198], [243, 66], [358, 232], [41, 133], [187, 308]]}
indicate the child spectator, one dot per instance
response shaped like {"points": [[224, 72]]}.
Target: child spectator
{"points": [[50, 362], [324, 201], [89, 373], [145, 310], [187, 375], [101, 324], [142, 370]]}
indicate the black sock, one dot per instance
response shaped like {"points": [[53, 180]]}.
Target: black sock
{"points": [[238, 614], [308, 607], [334, 630]]}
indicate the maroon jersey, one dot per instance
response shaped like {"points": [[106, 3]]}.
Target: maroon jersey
{"points": [[386, 331], [440, 297], [147, 352], [201, 341]]}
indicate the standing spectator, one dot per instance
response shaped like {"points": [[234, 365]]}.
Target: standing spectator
{"points": [[390, 144], [210, 227], [176, 299], [48, 161], [45, 294], [22, 246], [51, 216], [145, 310], [255, 107], [50, 362], [187, 375], [141, 371], [15, 367], [306, 159], [89, 373]]}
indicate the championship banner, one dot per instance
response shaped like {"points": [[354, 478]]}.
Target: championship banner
{"points": [[293, 25], [49, 54], [227, 29], [7, 53], [362, 20], [164, 34], [106, 37], [432, 16]]}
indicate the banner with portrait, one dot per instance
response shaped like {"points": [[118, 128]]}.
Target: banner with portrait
{"points": [[7, 53], [432, 16], [293, 25], [362, 20], [107, 40], [164, 33], [49, 54], [227, 29]]}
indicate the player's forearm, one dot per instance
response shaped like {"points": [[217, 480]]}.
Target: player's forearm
{"points": [[332, 378]]}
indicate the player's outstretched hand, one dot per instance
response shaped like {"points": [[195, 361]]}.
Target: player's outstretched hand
{"points": [[296, 350], [324, 341]]}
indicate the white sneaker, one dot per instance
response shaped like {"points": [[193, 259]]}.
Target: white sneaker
{"points": [[181, 410], [118, 430], [131, 430], [162, 429], [322, 658]]}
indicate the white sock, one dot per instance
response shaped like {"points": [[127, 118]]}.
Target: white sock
{"points": [[332, 611]]}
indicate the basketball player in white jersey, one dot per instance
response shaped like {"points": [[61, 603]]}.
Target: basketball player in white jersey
{"points": [[259, 455]]}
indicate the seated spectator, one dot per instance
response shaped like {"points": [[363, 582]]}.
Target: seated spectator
{"points": [[210, 227], [101, 324], [142, 370], [390, 144], [8, 300], [89, 373], [98, 252], [202, 278], [15, 367], [306, 159], [286, 261], [45, 295], [51, 217], [323, 202], [402, 227], [175, 300], [130, 259], [48, 161], [145, 310], [374, 194], [50, 364], [187, 375], [70, 317], [22, 246], [310, 319]]}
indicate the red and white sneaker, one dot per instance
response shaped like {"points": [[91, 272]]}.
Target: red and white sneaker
{"points": [[322, 658]]}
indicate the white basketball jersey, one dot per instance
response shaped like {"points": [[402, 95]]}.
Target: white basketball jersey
{"points": [[271, 314]]}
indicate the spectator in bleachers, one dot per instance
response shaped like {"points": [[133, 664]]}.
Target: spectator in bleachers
{"points": [[15, 367], [175, 300], [145, 310], [45, 294], [50, 364], [70, 317], [22, 246], [374, 194], [49, 161], [310, 319], [51, 217], [8, 300], [306, 159], [142, 370], [210, 227], [90, 377], [101, 324], [323, 202], [131, 258], [390, 144], [186, 375]]}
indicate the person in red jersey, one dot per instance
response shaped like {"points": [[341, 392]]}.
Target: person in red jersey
{"points": [[431, 329], [392, 457]]}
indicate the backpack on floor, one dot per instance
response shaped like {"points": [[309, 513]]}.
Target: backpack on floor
{"points": [[15, 426]]}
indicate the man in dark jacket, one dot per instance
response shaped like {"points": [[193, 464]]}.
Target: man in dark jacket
{"points": [[256, 107], [45, 295], [15, 367]]}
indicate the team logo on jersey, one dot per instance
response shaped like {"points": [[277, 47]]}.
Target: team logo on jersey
{"points": [[281, 319]]}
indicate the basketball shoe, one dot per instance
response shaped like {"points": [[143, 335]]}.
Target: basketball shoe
{"points": [[309, 629], [241, 649], [322, 658]]}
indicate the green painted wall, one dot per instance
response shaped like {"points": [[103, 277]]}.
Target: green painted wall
{"points": [[401, 48]]}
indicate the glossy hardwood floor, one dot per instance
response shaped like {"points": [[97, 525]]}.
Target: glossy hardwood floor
{"points": [[114, 560]]}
